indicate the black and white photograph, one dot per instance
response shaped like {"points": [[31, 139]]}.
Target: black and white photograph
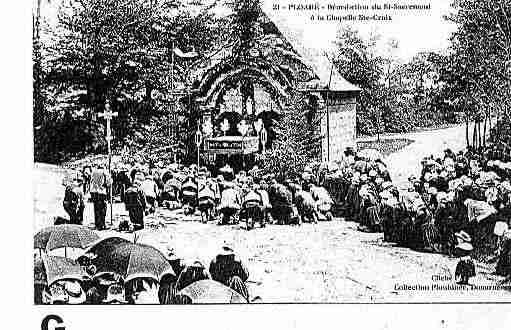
{"points": [[220, 152]]}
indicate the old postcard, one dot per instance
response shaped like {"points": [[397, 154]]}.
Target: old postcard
{"points": [[263, 152]]}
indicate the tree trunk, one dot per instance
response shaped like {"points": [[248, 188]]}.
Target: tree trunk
{"points": [[489, 123], [148, 91], [467, 133], [479, 135], [474, 135], [484, 130]]}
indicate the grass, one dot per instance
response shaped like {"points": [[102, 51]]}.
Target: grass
{"points": [[385, 146]]}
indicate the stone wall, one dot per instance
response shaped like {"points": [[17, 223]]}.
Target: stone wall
{"points": [[343, 122]]}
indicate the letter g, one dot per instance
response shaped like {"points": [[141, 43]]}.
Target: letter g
{"points": [[56, 318]]}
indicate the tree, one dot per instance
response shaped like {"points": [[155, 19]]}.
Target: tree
{"points": [[38, 104], [481, 50], [296, 144], [105, 51]]}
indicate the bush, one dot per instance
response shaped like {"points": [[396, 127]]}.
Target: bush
{"points": [[297, 144]]}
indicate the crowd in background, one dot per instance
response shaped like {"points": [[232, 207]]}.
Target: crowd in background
{"points": [[226, 197], [458, 204]]}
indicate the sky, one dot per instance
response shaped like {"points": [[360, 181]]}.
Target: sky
{"points": [[415, 31]]}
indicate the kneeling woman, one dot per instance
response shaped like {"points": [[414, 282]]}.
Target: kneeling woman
{"points": [[504, 263]]}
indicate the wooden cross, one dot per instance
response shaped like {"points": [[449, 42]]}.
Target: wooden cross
{"points": [[108, 115]]}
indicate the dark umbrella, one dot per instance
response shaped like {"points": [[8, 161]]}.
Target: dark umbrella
{"points": [[211, 292], [268, 116], [231, 116], [105, 244], [63, 236], [129, 260]]}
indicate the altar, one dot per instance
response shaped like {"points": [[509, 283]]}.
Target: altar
{"points": [[231, 145]]}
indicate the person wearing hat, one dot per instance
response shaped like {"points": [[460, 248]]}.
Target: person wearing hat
{"points": [[175, 260], [446, 220], [135, 202], [73, 202], [306, 206], [55, 294], [170, 195], [228, 269], [97, 291], [68, 292], [252, 207], [142, 291], [324, 202], [388, 202], [86, 174], [100, 186], [189, 190], [227, 172], [193, 272], [167, 289], [281, 199], [503, 267], [151, 192], [115, 295], [262, 189], [386, 185], [230, 202], [206, 200], [353, 197], [465, 269]]}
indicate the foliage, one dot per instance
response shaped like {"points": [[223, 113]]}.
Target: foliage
{"points": [[477, 71], [395, 96], [105, 51], [296, 145]]}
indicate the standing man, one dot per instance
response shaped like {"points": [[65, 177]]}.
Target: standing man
{"points": [[151, 192], [135, 201], [124, 181], [86, 173], [73, 200], [100, 181]]}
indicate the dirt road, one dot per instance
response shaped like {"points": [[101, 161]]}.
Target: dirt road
{"points": [[327, 262], [406, 162]]}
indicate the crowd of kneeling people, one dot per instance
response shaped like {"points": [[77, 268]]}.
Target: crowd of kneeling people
{"points": [[226, 197], [458, 202]]}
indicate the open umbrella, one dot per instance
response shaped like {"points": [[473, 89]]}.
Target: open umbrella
{"points": [[268, 116], [370, 154], [63, 236], [105, 244], [39, 272], [60, 268], [129, 260], [211, 292], [231, 116]]}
